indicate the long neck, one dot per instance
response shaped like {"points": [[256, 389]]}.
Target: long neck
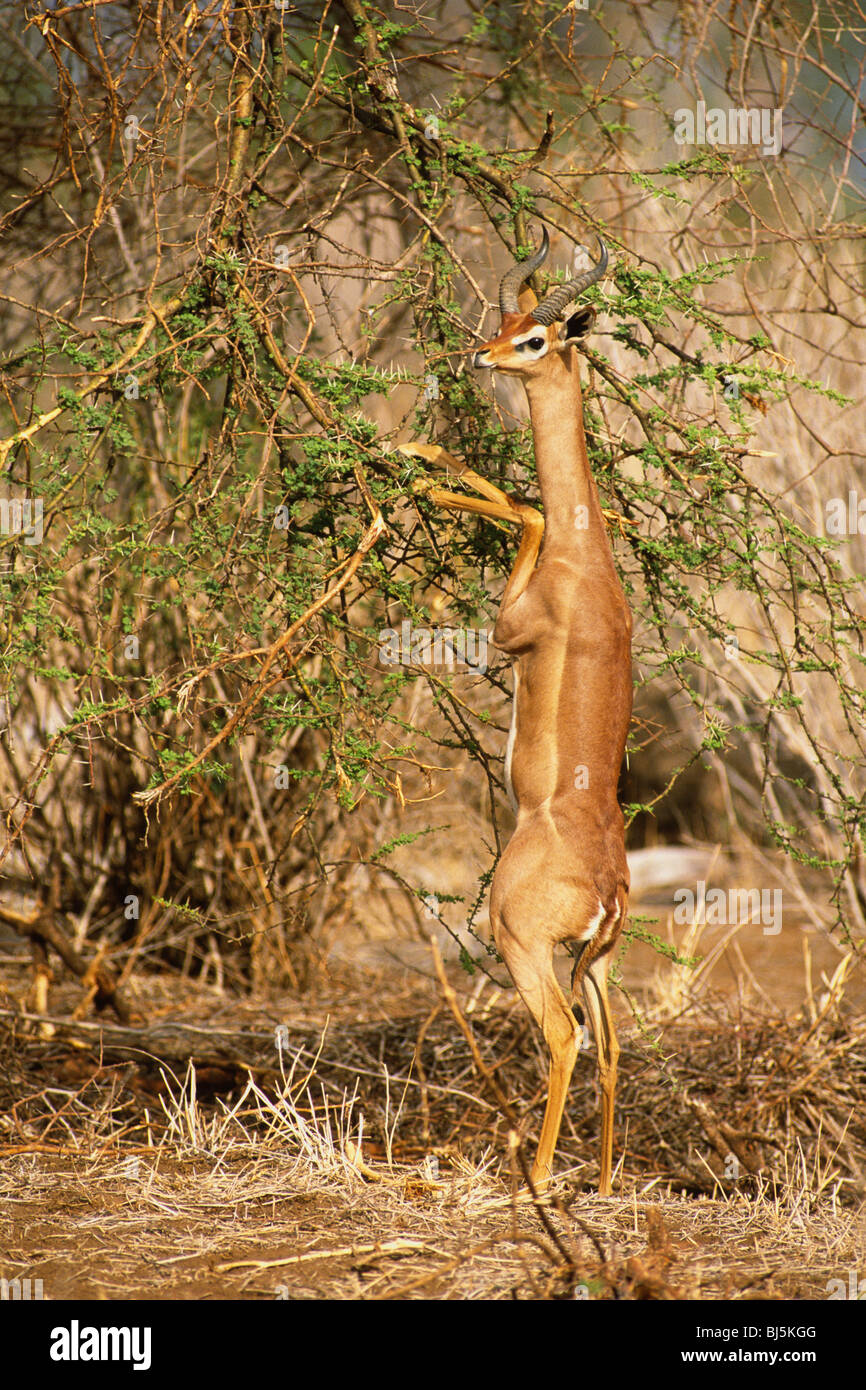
{"points": [[572, 514]]}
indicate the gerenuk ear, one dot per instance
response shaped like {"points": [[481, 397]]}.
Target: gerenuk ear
{"points": [[527, 300], [577, 325]]}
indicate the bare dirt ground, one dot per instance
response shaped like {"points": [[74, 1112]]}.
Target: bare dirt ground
{"points": [[346, 1147]]}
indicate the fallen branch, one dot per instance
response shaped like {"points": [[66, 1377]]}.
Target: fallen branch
{"points": [[376, 1250], [37, 926]]}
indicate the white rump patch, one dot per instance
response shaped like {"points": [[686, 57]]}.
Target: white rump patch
{"points": [[595, 922]]}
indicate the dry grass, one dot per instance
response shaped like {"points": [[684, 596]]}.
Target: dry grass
{"points": [[362, 1159]]}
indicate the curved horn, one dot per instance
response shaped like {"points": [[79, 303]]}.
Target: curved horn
{"points": [[514, 278], [551, 308]]}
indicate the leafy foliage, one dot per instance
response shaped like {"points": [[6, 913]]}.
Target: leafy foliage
{"points": [[204, 378]]}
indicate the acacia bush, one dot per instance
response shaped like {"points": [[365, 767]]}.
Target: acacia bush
{"points": [[247, 248]]}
